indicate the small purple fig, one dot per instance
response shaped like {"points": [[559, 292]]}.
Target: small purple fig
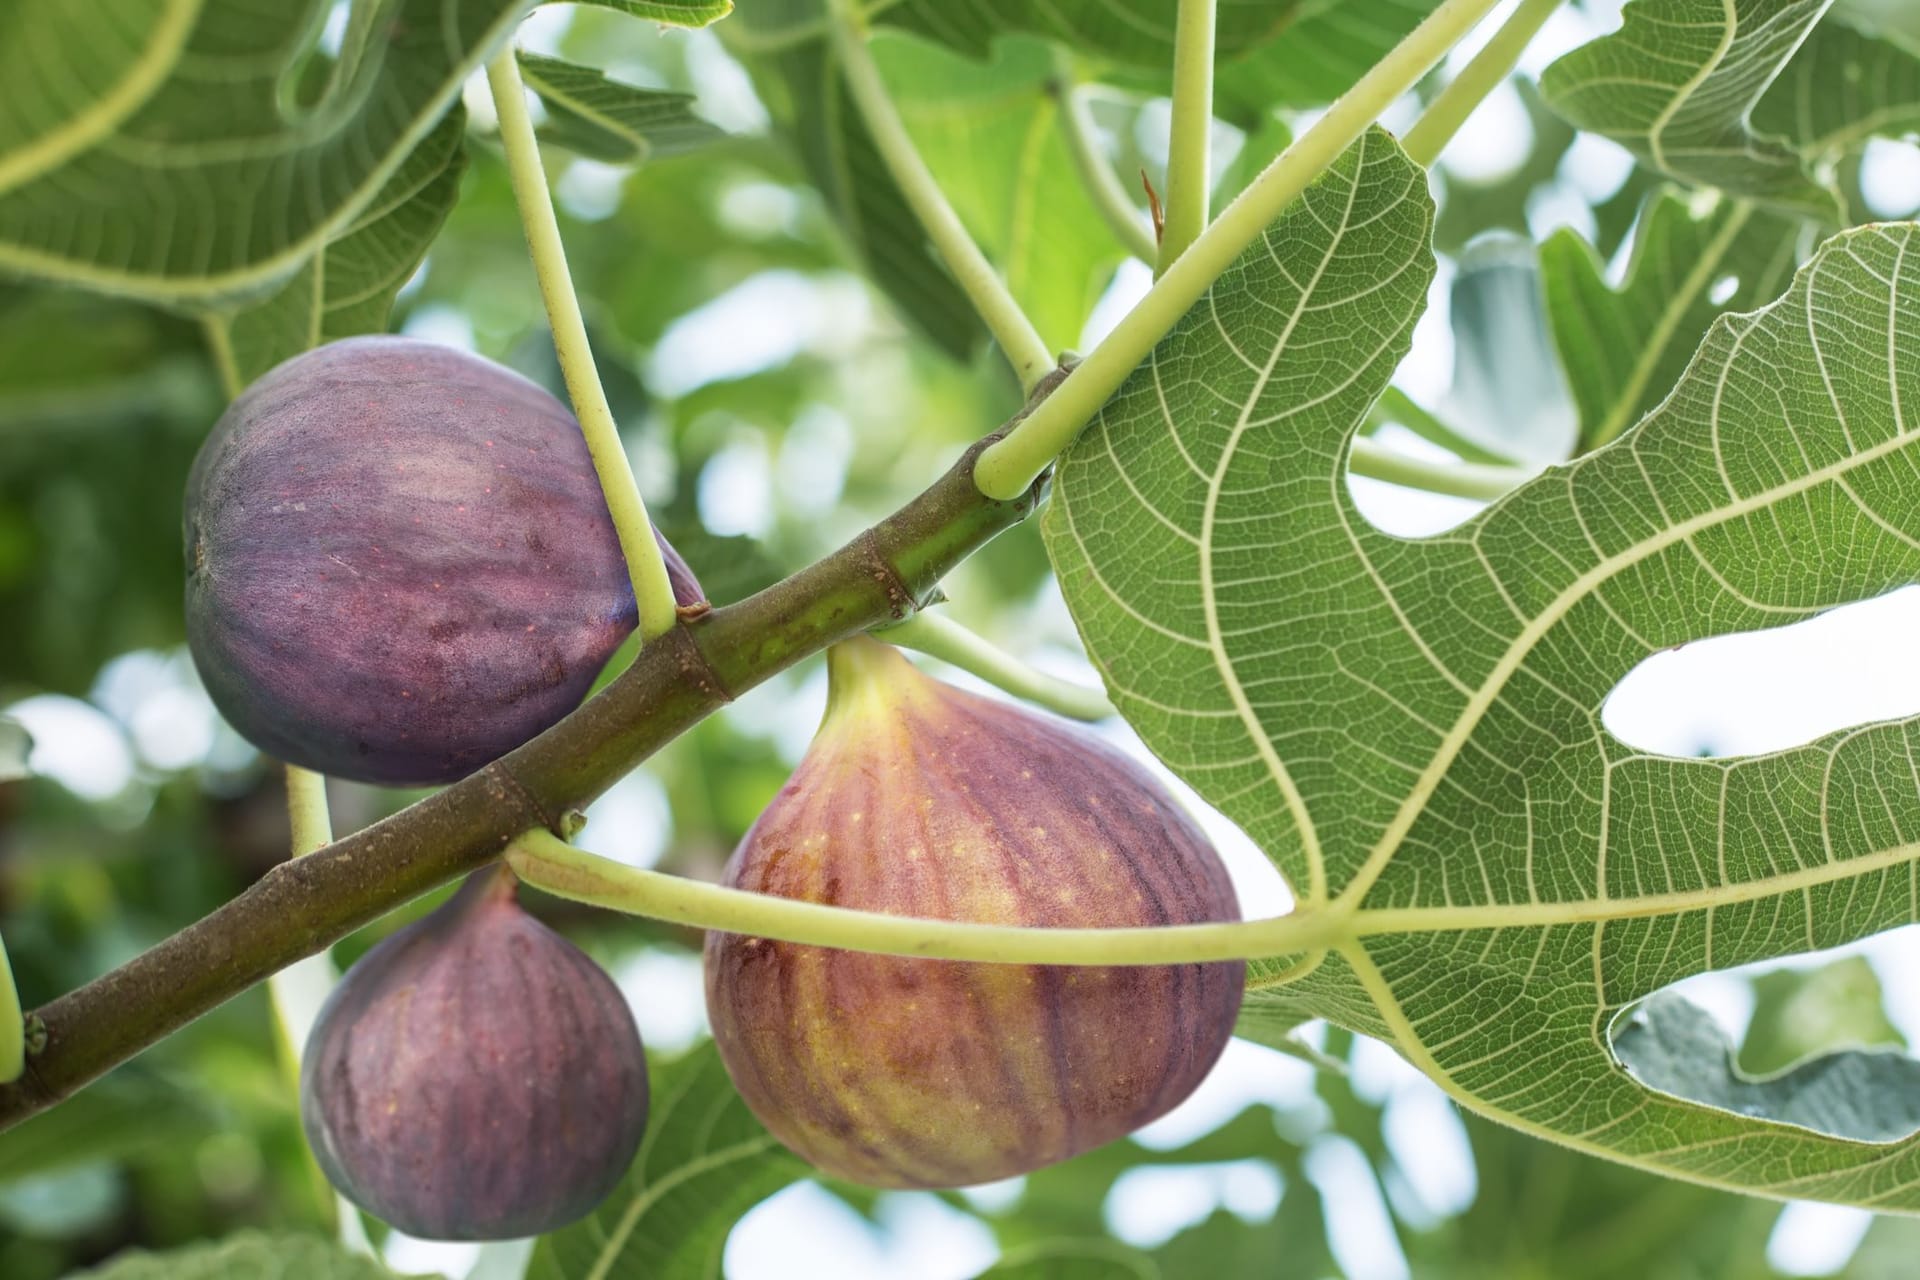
{"points": [[475, 1076], [399, 563], [918, 799]]}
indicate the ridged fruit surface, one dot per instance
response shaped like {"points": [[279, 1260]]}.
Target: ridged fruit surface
{"points": [[919, 799], [400, 566], [475, 1076]]}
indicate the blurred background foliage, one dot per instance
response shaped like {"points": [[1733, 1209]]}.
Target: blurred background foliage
{"points": [[788, 364]]}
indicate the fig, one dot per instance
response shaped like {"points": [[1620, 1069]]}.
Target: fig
{"points": [[475, 1076], [399, 563], [919, 799]]}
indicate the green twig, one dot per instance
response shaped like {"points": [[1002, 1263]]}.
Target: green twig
{"points": [[1190, 141], [652, 591], [1012, 464], [13, 1024], [542, 859], [1376, 461], [1123, 217], [1397, 406], [939, 636], [1487, 70], [991, 298]]}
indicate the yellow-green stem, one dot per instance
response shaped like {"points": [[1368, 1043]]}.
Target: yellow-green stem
{"points": [[1480, 77], [1011, 464], [13, 1024], [990, 297], [939, 636], [544, 860], [1126, 220], [1189, 147], [1376, 461], [651, 589]]}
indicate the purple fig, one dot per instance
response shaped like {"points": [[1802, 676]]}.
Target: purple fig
{"points": [[399, 563], [475, 1076], [918, 799]]}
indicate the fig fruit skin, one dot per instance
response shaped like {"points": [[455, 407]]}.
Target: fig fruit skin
{"points": [[399, 563], [916, 798], [475, 1076]]}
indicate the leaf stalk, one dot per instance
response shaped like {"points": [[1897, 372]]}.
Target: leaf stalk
{"points": [[939, 636], [995, 303], [652, 591], [1011, 465], [1484, 73], [1190, 141]]}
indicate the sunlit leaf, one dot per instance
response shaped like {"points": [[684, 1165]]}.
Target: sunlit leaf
{"points": [[1801, 1013], [1676, 84], [797, 70], [704, 1162], [1624, 347], [199, 151], [600, 117], [1411, 729], [1135, 32], [991, 135], [1329, 45], [1073, 1260], [248, 1256], [674, 13]]}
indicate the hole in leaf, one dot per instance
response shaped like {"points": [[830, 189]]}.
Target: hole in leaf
{"points": [[1818, 1043], [1760, 691]]}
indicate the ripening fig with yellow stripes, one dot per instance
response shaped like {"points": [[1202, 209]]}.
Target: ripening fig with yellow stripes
{"points": [[919, 799]]}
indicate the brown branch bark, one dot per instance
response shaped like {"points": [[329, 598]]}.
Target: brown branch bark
{"points": [[309, 903]]}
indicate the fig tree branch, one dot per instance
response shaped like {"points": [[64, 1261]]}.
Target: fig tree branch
{"points": [[707, 659], [646, 565], [1009, 466], [1011, 328], [1190, 140]]}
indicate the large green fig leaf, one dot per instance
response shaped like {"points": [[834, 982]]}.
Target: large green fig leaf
{"points": [[1624, 347], [1134, 32], [618, 123], [250, 1255], [705, 1161], [1676, 84], [1411, 729], [202, 151]]}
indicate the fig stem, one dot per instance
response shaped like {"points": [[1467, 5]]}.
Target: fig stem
{"points": [[1102, 184], [1377, 461], [1190, 132], [543, 860], [939, 636], [652, 589], [1032, 360], [1011, 465], [1487, 71], [13, 1024]]}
